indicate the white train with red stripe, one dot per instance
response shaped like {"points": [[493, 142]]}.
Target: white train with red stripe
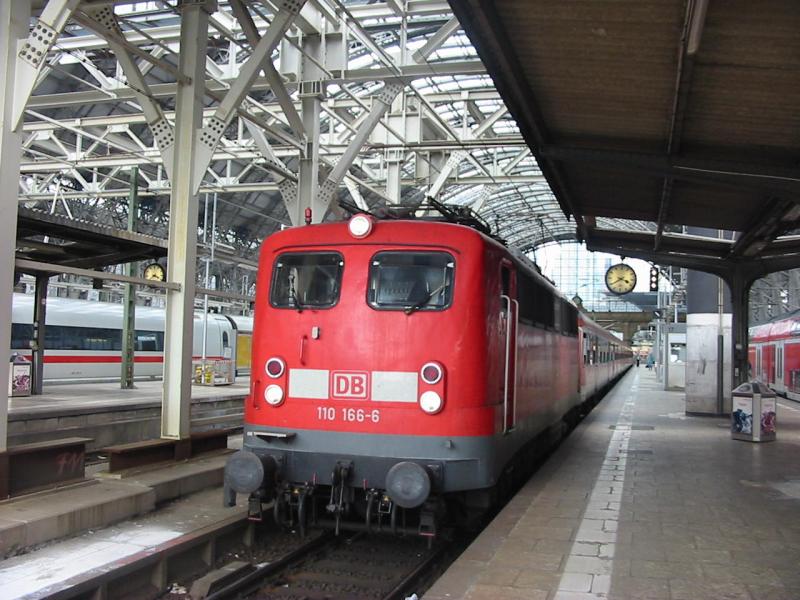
{"points": [[401, 365], [83, 338]]}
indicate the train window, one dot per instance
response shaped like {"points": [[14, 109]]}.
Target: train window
{"points": [[306, 280], [149, 341], [58, 337], [537, 304], [570, 319], [411, 281], [21, 335]]}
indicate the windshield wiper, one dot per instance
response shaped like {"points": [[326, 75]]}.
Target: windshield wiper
{"points": [[415, 307], [293, 295]]}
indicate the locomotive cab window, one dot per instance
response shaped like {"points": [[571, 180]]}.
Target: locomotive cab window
{"points": [[306, 280], [411, 281]]}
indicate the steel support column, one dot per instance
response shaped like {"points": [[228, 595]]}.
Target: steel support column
{"points": [[739, 287], [311, 94], [14, 18], [39, 327], [182, 252], [129, 303]]}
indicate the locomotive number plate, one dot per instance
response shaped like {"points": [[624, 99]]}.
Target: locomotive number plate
{"points": [[348, 415]]}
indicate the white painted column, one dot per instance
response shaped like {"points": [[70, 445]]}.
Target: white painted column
{"points": [[14, 18], [182, 251]]}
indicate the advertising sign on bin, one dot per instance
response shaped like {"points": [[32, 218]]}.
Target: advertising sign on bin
{"points": [[753, 413]]}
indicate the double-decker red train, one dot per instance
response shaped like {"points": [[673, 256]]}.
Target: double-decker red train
{"points": [[774, 354], [400, 364]]}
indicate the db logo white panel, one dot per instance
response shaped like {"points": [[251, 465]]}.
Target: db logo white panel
{"points": [[308, 383], [350, 385], [378, 386]]}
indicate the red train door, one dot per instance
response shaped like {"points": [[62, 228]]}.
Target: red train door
{"points": [[510, 317], [779, 370]]}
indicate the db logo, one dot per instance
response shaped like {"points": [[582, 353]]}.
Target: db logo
{"points": [[349, 384]]}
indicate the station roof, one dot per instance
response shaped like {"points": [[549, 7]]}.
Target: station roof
{"points": [[58, 240], [657, 113]]}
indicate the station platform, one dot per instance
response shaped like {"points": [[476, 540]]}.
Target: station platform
{"points": [[104, 498], [119, 554], [641, 501], [110, 415]]}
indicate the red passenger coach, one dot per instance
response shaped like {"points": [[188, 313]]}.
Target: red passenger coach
{"points": [[399, 363], [774, 354]]}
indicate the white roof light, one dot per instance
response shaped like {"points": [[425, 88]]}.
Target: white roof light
{"points": [[360, 226]]}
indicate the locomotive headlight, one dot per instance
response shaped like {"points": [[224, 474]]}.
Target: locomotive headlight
{"points": [[360, 226], [431, 373], [274, 395], [275, 367], [430, 402]]}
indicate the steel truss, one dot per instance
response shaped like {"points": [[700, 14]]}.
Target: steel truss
{"points": [[405, 111]]}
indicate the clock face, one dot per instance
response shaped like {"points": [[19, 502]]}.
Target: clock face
{"points": [[154, 272], [620, 279]]}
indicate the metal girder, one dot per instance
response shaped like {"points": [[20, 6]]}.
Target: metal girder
{"points": [[380, 104], [273, 77], [104, 22], [733, 173], [33, 53], [436, 40], [167, 90], [32, 266], [771, 222], [273, 163], [212, 132], [352, 187], [457, 157]]}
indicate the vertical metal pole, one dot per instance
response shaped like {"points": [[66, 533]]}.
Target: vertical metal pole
{"points": [[208, 279], [177, 391], [720, 342], [308, 175], [39, 319], [14, 24], [667, 353], [129, 302], [657, 345]]}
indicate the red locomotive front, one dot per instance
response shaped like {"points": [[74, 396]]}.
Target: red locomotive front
{"points": [[377, 335], [398, 362], [370, 367]]}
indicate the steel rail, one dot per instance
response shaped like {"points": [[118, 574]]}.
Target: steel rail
{"points": [[255, 578]]}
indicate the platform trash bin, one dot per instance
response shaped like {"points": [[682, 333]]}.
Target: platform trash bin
{"points": [[19, 376], [754, 413]]}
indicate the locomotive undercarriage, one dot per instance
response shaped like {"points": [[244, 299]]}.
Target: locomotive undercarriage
{"points": [[343, 507]]}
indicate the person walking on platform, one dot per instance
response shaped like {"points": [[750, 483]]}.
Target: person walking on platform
{"points": [[637, 360], [650, 361]]}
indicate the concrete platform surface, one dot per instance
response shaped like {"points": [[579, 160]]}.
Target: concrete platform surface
{"points": [[642, 501], [110, 416], [41, 573], [30, 520], [78, 398]]}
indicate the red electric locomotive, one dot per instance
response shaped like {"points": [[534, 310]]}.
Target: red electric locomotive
{"points": [[396, 363]]}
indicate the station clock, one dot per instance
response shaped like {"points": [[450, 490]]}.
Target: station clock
{"points": [[154, 272], [620, 279]]}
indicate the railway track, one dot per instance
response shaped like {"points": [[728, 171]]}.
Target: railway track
{"points": [[358, 567]]}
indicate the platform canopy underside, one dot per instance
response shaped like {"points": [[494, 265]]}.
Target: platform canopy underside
{"points": [[658, 114]]}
